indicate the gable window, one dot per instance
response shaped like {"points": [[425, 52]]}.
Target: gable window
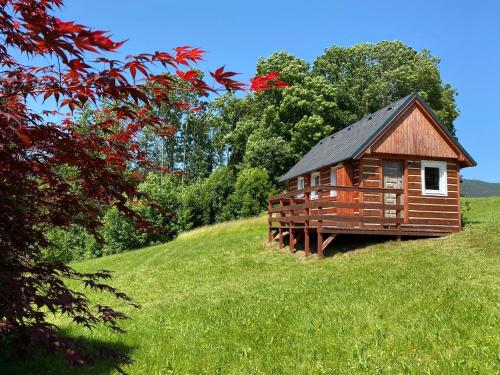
{"points": [[434, 178], [315, 180], [300, 186], [333, 181]]}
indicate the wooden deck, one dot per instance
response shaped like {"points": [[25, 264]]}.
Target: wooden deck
{"points": [[327, 210]]}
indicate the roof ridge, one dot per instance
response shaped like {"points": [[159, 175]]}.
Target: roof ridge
{"points": [[367, 116]]}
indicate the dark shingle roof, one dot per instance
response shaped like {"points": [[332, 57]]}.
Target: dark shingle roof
{"points": [[350, 142]]}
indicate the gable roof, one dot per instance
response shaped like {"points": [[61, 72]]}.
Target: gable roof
{"points": [[352, 141]]}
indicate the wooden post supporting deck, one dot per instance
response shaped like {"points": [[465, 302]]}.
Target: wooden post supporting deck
{"points": [[398, 225], [291, 244], [280, 229], [270, 234], [320, 243], [320, 234], [306, 226], [306, 241]]}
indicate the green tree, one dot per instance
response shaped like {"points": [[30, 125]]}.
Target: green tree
{"points": [[343, 85], [204, 201], [119, 233], [272, 153], [71, 244], [163, 191], [251, 190], [370, 76]]}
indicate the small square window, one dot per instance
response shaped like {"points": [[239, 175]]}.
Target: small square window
{"points": [[434, 178]]}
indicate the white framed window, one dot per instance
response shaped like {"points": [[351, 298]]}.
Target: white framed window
{"points": [[315, 180], [333, 180], [300, 186], [434, 177]]}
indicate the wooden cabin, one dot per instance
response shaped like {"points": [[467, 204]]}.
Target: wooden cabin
{"points": [[394, 172]]}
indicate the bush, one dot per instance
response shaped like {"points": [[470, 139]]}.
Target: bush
{"points": [[159, 208], [164, 192], [119, 233], [251, 191], [204, 201], [71, 244], [219, 197]]}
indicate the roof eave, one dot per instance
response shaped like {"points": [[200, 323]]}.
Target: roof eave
{"points": [[471, 161]]}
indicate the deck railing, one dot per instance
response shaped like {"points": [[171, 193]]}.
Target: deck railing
{"points": [[334, 209]]}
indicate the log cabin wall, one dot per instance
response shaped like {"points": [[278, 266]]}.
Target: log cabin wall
{"points": [[439, 213], [434, 212], [416, 133], [370, 174], [424, 212]]}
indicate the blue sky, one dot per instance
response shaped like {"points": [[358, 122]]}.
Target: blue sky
{"points": [[464, 34]]}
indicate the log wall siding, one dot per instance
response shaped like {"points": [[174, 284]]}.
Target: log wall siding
{"points": [[370, 172], [440, 213], [423, 212], [415, 133], [434, 212]]}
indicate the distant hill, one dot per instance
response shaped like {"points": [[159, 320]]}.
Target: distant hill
{"points": [[477, 188]]}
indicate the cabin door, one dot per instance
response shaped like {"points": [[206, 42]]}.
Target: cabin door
{"points": [[392, 172]]}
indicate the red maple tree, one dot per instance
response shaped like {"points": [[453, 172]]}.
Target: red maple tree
{"points": [[54, 172]]}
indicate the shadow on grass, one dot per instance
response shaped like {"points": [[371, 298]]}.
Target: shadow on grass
{"points": [[343, 244], [43, 362]]}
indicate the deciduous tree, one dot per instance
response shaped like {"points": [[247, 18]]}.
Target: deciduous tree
{"points": [[55, 172]]}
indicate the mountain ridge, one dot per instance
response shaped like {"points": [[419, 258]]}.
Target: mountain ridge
{"points": [[478, 188]]}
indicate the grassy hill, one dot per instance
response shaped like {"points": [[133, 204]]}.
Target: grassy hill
{"points": [[219, 300], [477, 188]]}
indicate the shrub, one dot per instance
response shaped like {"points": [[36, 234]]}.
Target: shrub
{"points": [[119, 233], [71, 244], [263, 150], [164, 192], [251, 191], [204, 201]]}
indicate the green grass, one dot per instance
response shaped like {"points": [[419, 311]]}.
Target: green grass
{"points": [[219, 300]]}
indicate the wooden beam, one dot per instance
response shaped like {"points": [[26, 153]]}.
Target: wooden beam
{"points": [[458, 191], [306, 241], [327, 187], [320, 235], [320, 244], [280, 230], [343, 219], [307, 211], [388, 232], [332, 203], [298, 237], [291, 239], [328, 241]]}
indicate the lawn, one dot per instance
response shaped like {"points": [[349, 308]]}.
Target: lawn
{"points": [[219, 300]]}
